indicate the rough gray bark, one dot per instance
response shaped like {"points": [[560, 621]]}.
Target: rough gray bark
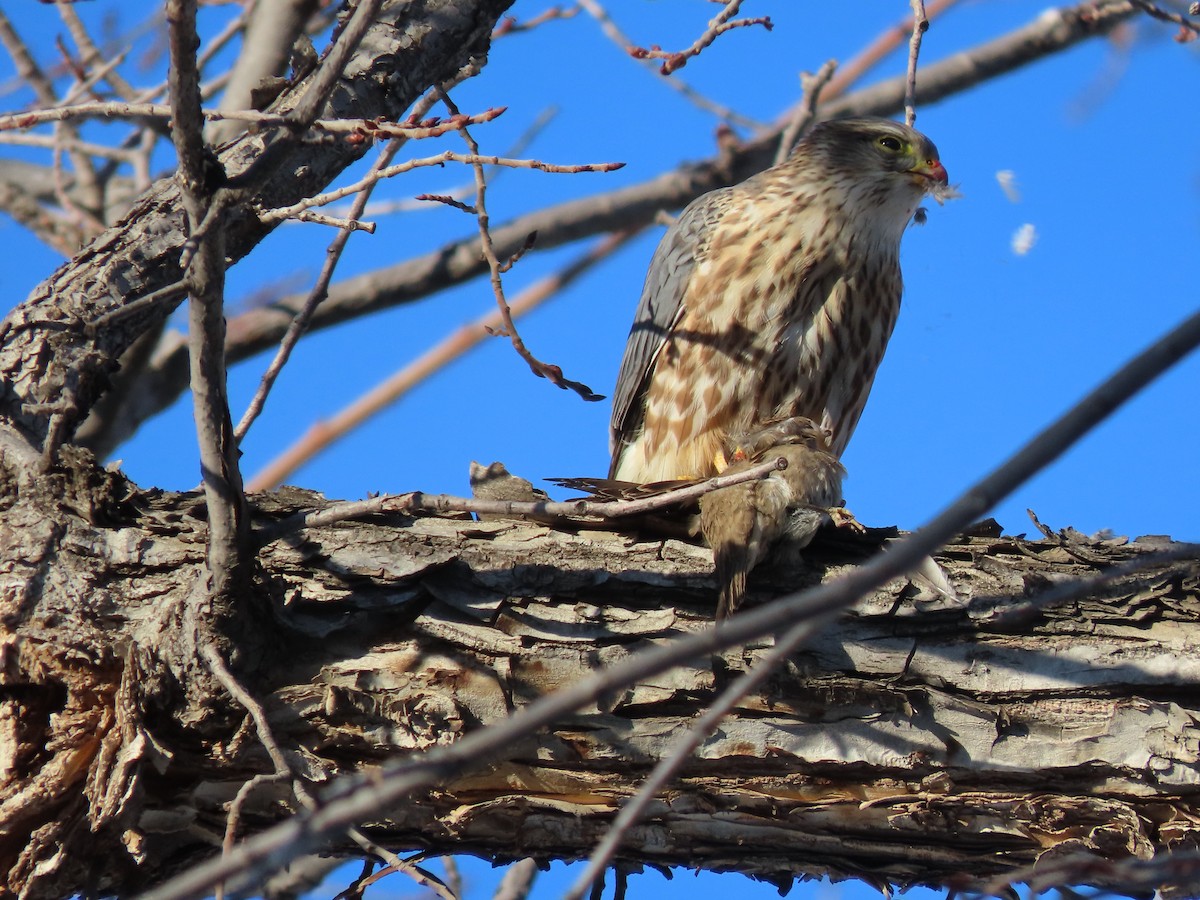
{"points": [[914, 742]]}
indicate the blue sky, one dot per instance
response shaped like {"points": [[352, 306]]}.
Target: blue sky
{"points": [[1104, 144]]}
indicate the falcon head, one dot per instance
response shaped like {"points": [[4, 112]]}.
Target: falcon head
{"points": [[881, 168]]}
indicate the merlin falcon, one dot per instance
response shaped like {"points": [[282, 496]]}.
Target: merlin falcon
{"points": [[771, 300]]}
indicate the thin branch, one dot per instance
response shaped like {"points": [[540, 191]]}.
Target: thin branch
{"points": [[43, 88], [920, 24], [517, 880], [355, 798], [365, 128], [347, 224], [614, 33], [720, 24], [53, 230], [319, 292], [806, 112], [211, 48], [543, 370], [1188, 29], [135, 306], [28, 71], [53, 142], [544, 510], [410, 204], [322, 435], [511, 25], [94, 76], [471, 159], [866, 59], [271, 31]]}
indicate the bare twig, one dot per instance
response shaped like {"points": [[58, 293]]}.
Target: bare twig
{"points": [[446, 201], [364, 128], [385, 208], [453, 877], [319, 292], [52, 142], [866, 59], [94, 76], [919, 27], [282, 771], [543, 370], [511, 25], [136, 306], [347, 224], [614, 33], [43, 88], [358, 798], [1188, 30], [437, 357], [470, 159], [421, 876], [53, 230], [538, 509], [806, 112], [270, 34], [720, 24]]}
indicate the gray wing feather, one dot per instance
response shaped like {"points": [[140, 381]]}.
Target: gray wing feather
{"points": [[661, 307]]}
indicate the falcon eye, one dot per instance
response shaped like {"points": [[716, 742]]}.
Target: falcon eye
{"points": [[887, 142]]}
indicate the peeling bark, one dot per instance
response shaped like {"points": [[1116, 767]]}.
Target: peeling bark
{"points": [[915, 741]]}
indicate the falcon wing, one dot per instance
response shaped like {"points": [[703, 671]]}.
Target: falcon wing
{"points": [[661, 307]]}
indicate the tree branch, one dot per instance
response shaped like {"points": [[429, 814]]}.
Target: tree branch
{"points": [[205, 274]]}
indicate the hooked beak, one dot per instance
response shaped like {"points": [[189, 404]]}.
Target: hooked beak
{"points": [[933, 170]]}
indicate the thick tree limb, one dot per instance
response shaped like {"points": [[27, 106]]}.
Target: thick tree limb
{"points": [[915, 742]]}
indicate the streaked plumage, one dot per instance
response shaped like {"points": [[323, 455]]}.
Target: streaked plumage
{"points": [[771, 299], [743, 522]]}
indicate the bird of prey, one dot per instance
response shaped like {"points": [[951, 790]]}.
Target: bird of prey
{"points": [[742, 522], [771, 299]]}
